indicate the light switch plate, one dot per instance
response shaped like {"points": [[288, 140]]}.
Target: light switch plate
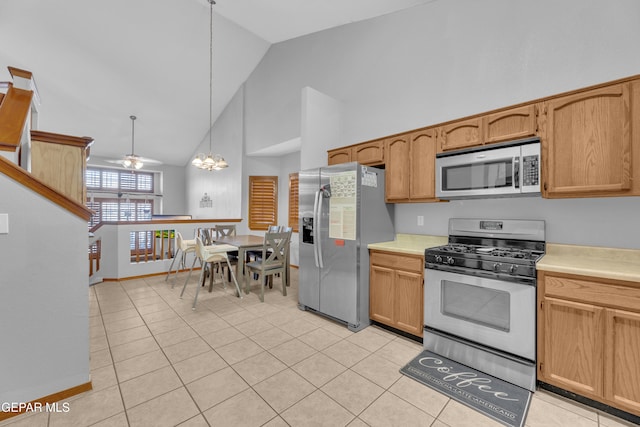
{"points": [[420, 220], [4, 223]]}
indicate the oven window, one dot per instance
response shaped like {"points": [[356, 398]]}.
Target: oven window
{"points": [[483, 306], [476, 176]]}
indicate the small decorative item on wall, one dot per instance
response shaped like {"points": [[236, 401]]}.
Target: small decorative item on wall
{"points": [[206, 201]]}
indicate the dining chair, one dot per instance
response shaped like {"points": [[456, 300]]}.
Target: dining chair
{"points": [[210, 255], [273, 260], [228, 230], [183, 248]]}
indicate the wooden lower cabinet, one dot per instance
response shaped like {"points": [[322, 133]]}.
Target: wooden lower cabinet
{"points": [[589, 338], [396, 295]]}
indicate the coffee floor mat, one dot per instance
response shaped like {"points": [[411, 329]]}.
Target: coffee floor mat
{"points": [[498, 399]]}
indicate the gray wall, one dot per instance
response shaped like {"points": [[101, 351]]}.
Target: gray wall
{"points": [[446, 60], [44, 297]]}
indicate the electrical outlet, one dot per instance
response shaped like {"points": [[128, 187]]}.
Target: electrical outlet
{"points": [[420, 220]]}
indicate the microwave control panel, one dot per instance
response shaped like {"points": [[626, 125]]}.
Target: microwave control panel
{"points": [[531, 170]]}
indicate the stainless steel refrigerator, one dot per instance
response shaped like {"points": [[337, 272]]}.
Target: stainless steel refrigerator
{"points": [[341, 211]]}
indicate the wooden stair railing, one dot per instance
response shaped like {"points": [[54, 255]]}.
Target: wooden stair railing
{"points": [[20, 175], [14, 111]]}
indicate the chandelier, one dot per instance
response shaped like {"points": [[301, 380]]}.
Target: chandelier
{"points": [[131, 160], [210, 161]]}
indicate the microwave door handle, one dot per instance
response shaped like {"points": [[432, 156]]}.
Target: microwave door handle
{"points": [[516, 172]]}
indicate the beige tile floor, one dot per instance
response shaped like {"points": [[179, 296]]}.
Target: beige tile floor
{"points": [[240, 362]]}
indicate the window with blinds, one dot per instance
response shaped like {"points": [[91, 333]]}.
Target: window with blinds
{"points": [[263, 202], [119, 195], [293, 201]]}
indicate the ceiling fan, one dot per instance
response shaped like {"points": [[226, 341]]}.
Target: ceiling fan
{"points": [[133, 161]]}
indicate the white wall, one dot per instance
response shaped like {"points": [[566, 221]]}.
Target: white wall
{"points": [[223, 186], [44, 299], [446, 60], [321, 125]]}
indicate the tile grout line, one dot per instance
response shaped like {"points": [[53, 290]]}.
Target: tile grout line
{"points": [[113, 363]]}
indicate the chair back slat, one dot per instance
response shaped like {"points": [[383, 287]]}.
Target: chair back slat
{"points": [[225, 230], [274, 250]]}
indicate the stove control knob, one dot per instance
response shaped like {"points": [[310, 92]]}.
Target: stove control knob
{"points": [[496, 266], [450, 260], [438, 258], [513, 268]]}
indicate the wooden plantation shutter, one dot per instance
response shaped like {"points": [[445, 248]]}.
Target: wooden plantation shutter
{"points": [[263, 202], [293, 201]]}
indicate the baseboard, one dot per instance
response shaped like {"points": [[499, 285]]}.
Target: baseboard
{"points": [[398, 331], [589, 402], [52, 398]]}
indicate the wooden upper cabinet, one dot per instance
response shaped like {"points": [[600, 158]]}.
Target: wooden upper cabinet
{"points": [[369, 153], [397, 168], [511, 124], [422, 181], [410, 166], [587, 143], [461, 134], [339, 155]]}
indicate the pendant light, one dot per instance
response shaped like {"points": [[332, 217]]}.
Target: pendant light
{"points": [[210, 161], [131, 160]]}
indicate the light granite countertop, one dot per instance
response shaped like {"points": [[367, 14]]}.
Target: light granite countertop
{"points": [[605, 263], [414, 244]]}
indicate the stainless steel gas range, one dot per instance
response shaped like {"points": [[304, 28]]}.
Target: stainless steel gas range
{"points": [[480, 297]]}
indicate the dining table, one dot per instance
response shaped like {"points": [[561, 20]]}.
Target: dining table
{"points": [[244, 243]]}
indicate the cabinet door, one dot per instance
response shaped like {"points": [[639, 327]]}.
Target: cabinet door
{"points": [[462, 134], [409, 301], [422, 180], [588, 143], [511, 124], [381, 294], [622, 360], [574, 346], [397, 168], [340, 155], [370, 153]]}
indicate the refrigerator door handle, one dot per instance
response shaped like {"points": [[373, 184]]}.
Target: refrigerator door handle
{"points": [[315, 232], [317, 224]]}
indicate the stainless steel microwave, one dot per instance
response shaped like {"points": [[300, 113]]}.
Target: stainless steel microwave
{"points": [[497, 170]]}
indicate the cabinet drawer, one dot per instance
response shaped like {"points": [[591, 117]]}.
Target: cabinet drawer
{"points": [[398, 262], [600, 293]]}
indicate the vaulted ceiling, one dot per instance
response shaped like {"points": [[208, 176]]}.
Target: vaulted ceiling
{"points": [[96, 63]]}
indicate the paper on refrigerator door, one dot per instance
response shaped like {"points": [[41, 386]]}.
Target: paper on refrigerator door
{"points": [[342, 206]]}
